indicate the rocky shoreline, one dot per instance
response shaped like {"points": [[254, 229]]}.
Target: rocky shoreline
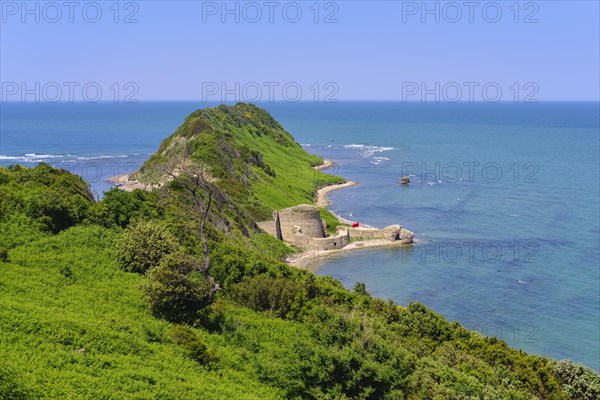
{"points": [[124, 183]]}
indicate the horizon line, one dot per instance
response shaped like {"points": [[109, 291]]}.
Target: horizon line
{"points": [[304, 101]]}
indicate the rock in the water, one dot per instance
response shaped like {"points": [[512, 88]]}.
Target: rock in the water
{"points": [[392, 232], [405, 180], [406, 236]]}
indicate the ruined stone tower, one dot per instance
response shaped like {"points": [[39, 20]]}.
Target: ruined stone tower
{"points": [[303, 219]]}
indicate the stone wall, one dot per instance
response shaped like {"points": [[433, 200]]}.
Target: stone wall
{"points": [[364, 233], [392, 233], [339, 241], [269, 227]]}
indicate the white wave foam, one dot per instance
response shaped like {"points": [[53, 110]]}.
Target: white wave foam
{"points": [[369, 151], [100, 157], [65, 158], [379, 160], [32, 157], [36, 156]]}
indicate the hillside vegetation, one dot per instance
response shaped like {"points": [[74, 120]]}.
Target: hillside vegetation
{"points": [[106, 300], [254, 159]]}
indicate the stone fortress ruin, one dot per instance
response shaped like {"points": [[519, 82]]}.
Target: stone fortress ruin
{"points": [[302, 225]]}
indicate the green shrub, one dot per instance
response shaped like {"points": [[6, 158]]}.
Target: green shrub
{"points": [[361, 289], [213, 318], [119, 208], [18, 229], [331, 220], [66, 271], [11, 388], [264, 293], [194, 346], [48, 195], [143, 246], [176, 290], [3, 254], [577, 381]]}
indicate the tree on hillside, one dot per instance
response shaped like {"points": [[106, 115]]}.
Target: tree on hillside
{"points": [[192, 188], [143, 246], [177, 289]]}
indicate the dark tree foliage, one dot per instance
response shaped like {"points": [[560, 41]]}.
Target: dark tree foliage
{"points": [[194, 346], [361, 288], [176, 290], [52, 197], [264, 293], [119, 208]]}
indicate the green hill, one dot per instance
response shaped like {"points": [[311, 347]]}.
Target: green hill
{"points": [[254, 159], [76, 324]]}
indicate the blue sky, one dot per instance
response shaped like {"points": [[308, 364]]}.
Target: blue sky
{"points": [[377, 50]]}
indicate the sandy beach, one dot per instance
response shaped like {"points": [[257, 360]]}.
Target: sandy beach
{"points": [[326, 164], [322, 200]]}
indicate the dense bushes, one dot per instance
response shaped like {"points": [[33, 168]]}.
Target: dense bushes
{"points": [[144, 245], [194, 346], [18, 229], [11, 388], [119, 208], [55, 198], [176, 290], [233, 260], [577, 381], [263, 293]]}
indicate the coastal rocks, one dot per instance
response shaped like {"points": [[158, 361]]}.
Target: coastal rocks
{"points": [[395, 233], [391, 233], [406, 236], [405, 180]]}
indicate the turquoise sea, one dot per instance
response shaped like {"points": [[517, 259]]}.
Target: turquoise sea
{"points": [[504, 199]]}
